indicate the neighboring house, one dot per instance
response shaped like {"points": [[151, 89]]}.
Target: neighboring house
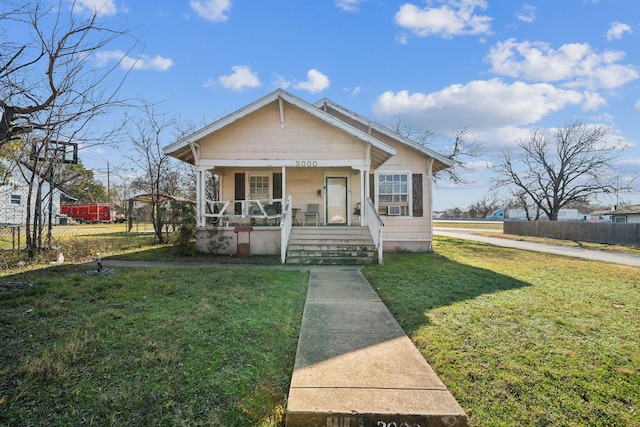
{"points": [[279, 160], [13, 202], [600, 216], [630, 214]]}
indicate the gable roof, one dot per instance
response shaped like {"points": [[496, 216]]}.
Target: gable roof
{"points": [[184, 149], [441, 162], [629, 210]]}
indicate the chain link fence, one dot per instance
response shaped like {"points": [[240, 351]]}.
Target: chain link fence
{"points": [[75, 242]]}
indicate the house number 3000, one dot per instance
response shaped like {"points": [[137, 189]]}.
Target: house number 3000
{"points": [[394, 424], [307, 163]]}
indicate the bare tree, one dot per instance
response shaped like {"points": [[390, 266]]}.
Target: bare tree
{"points": [[484, 206], [148, 133], [554, 170], [458, 149], [47, 81], [37, 166]]}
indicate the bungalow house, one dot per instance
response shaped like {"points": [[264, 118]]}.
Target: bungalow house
{"points": [[630, 214], [295, 178], [13, 201]]}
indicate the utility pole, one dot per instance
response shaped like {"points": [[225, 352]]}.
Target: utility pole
{"points": [[108, 184]]}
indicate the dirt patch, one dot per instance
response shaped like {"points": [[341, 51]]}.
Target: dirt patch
{"points": [[14, 286]]}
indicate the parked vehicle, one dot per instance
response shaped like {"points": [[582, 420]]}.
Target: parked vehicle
{"points": [[89, 212]]}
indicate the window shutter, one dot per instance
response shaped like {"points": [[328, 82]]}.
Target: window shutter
{"points": [[239, 192], [417, 195], [277, 185], [277, 189], [372, 188]]}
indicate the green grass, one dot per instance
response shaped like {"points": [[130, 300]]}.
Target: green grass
{"points": [[149, 346], [167, 253], [522, 338], [479, 224]]}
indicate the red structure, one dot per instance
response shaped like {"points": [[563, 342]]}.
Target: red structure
{"points": [[89, 212]]}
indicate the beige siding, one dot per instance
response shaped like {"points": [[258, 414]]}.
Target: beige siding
{"points": [[414, 228], [301, 183], [261, 137]]}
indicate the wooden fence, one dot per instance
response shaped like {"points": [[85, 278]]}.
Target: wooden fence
{"points": [[609, 233]]}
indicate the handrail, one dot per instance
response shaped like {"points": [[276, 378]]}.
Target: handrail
{"points": [[250, 208], [285, 230], [375, 224]]}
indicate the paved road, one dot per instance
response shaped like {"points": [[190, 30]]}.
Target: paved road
{"points": [[469, 234]]}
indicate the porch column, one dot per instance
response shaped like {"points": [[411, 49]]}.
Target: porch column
{"points": [[364, 188], [284, 189], [200, 196], [364, 185], [430, 211]]}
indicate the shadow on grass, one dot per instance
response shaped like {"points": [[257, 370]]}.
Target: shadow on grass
{"points": [[168, 253], [412, 284]]}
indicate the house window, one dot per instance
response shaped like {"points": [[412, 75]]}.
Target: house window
{"points": [[259, 187], [394, 193], [15, 199]]}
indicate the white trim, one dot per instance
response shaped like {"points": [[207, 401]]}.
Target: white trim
{"points": [[347, 177], [280, 95], [324, 103], [409, 174], [338, 163], [281, 107], [195, 151], [247, 183]]}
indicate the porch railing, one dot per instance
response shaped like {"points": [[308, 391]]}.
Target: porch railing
{"points": [[375, 224], [285, 230], [265, 209]]}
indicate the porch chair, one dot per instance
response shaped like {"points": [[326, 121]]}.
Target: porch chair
{"points": [[313, 210], [272, 213]]}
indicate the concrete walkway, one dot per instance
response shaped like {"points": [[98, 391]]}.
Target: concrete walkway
{"points": [[356, 367]]}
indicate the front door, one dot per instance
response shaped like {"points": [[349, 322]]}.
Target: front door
{"points": [[336, 208]]}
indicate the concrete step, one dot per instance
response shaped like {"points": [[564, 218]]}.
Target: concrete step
{"points": [[323, 260], [330, 245], [356, 367]]}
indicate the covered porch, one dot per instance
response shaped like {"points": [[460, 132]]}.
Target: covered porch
{"points": [[244, 196]]}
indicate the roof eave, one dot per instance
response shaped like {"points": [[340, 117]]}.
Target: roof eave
{"points": [[174, 148], [445, 161]]}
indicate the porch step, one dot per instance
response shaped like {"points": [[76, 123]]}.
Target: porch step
{"points": [[333, 245]]}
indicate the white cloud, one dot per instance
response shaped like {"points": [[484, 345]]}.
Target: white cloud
{"points": [[280, 81], [349, 5], [483, 104], [143, 62], [452, 18], [241, 78], [353, 92], [98, 7], [316, 82], [617, 30], [527, 13], [637, 106], [402, 38], [212, 10], [575, 65]]}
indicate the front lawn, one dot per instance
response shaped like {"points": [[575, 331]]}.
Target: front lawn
{"points": [[522, 338], [149, 346]]}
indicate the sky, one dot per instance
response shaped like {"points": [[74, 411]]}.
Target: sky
{"points": [[498, 68]]}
